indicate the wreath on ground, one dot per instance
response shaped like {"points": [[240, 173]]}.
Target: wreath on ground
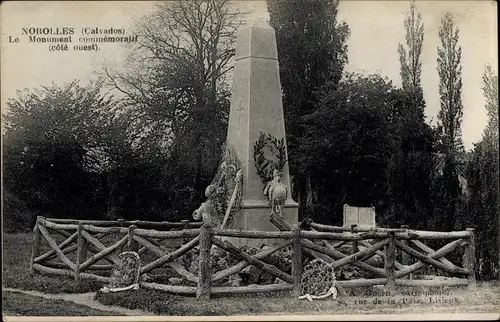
{"points": [[265, 166]]}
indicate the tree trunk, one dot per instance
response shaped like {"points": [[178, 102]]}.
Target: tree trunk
{"points": [[112, 199], [309, 194], [198, 182]]}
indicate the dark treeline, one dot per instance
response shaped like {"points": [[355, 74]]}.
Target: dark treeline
{"points": [[149, 151]]}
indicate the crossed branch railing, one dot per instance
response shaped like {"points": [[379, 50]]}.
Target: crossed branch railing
{"points": [[313, 240]]}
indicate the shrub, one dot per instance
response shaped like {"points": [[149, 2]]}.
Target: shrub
{"points": [[17, 217]]}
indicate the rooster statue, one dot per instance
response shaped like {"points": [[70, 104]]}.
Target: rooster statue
{"points": [[276, 192]]}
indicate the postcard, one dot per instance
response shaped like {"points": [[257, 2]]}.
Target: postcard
{"points": [[250, 160]]}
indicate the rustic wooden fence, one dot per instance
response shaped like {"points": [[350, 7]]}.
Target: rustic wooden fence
{"points": [[84, 237], [338, 246]]}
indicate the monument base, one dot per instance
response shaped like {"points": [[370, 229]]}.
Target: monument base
{"points": [[255, 215]]}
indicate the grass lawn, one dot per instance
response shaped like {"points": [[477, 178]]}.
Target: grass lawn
{"points": [[27, 305], [484, 300], [15, 270]]}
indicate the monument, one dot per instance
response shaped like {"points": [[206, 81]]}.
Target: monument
{"points": [[256, 125]]}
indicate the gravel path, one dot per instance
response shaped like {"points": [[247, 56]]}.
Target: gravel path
{"points": [[86, 299]]}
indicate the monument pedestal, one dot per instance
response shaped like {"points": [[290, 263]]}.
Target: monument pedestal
{"points": [[255, 215]]}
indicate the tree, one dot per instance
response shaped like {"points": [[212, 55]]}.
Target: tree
{"points": [[312, 50], [483, 174], [450, 115], [450, 85], [51, 136], [409, 171], [176, 82], [490, 92], [350, 143], [411, 65]]}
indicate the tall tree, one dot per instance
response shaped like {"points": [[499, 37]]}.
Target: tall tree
{"points": [[450, 115], [176, 81], [409, 176], [450, 84], [312, 50], [483, 174], [409, 56], [490, 92]]}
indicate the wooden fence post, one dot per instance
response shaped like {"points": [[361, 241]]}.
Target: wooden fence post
{"points": [[81, 252], [132, 245], [121, 223], [185, 226], [36, 243], [204, 274], [470, 259], [405, 258], [354, 245], [390, 254], [296, 261]]}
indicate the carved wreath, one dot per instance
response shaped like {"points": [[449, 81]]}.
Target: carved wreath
{"points": [[264, 166]]}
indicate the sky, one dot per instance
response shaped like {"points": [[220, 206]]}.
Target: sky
{"points": [[376, 29]]}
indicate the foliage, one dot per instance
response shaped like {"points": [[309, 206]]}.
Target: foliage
{"points": [[17, 217], [375, 151], [52, 144], [483, 175], [410, 167], [411, 65], [225, 182], [143, 153], [490, 92], [176, 76], [446, 198], [348, 144], [410, 179], [447, 190], [220, 260], [312, 49], [450, 83]]}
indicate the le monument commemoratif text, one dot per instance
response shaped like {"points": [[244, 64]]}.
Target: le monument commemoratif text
{"points": [[67, 38]]}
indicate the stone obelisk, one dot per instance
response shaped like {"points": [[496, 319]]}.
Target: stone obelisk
{"points": [[256, 107]]}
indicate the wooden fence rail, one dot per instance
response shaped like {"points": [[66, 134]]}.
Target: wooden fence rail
{"points": [[383, 254], [137, 223]]}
